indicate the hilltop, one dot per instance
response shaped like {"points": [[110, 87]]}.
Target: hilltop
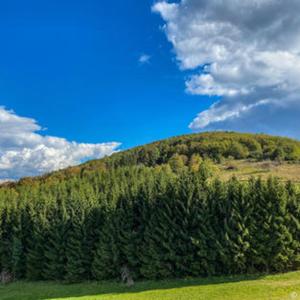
{"points": [[240, 154]]}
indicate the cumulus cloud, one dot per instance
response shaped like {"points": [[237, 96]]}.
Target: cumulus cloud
{"points": [[247, 53], [26, 152]]}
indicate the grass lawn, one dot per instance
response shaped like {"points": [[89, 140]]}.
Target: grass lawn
{"points": [[279, 287]]}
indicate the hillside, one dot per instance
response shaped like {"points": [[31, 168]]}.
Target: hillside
{"points": [[156, 212], [240, 154], [217, 146]]}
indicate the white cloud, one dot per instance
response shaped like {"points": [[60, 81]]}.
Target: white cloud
{"points": [[144, 59], [247, 52], [25, 152]]}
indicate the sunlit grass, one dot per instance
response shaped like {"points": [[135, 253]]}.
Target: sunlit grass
{"points": [[277, 287], [244, 169]]}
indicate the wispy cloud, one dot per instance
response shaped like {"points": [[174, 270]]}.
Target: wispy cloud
{"points": [[25, 152], [144, 59], [246, 52]]}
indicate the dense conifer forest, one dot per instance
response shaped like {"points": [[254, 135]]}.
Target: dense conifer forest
{"points": [[157, 211]]}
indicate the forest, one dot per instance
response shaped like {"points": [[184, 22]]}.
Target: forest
{"points": [[157, 211]]}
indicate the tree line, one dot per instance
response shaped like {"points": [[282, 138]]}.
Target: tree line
{"points": [[154, 221], [216, 146], [184, 151]]}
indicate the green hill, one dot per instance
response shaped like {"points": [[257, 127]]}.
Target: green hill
{"points": [[158, 211], [240, 154], [216, 146]]}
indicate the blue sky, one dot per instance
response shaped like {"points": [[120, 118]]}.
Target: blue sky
{"points": [[82, 79], [74, 67]]}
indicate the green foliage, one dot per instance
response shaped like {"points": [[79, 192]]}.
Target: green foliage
{"points": [[105, 264], [75, 264], [177, 162], [155, 222], [180, 151], [35, 261], [156, 211], [55, 247]]}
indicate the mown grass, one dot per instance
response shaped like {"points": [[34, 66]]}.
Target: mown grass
{"points": [[277, 287]]}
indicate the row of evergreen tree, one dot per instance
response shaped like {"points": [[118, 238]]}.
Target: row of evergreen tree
{"points": [[154, 222]]}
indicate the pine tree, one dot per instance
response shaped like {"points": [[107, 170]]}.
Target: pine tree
{"points": [[17, 257], [217, 208], [281, 238], [260, 230], [93, 221], [184, 207], [35, 262], [55, 248], [201, 232], [6, 240], [127, 236], [159, 256], [75, 264], [106, 258], [293, 215], [236, 226]]}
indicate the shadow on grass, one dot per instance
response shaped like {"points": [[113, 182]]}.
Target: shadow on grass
{"points": [[53, 290]]}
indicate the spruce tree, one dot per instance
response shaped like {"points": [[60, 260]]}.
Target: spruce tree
{"points": [[201, 232], [217, 208], [159, 255], [293, 219], [236, 226], [55, 248], [17, 248], [260, 230], [281, 238], [35, 262], [75, 262], [6, 240], [106, 258]]}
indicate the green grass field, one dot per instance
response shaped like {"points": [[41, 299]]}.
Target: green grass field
{"points": [[277, 287], [245, 169]]}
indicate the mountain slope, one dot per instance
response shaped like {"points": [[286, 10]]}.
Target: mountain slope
{"points": [[233, 153]]}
